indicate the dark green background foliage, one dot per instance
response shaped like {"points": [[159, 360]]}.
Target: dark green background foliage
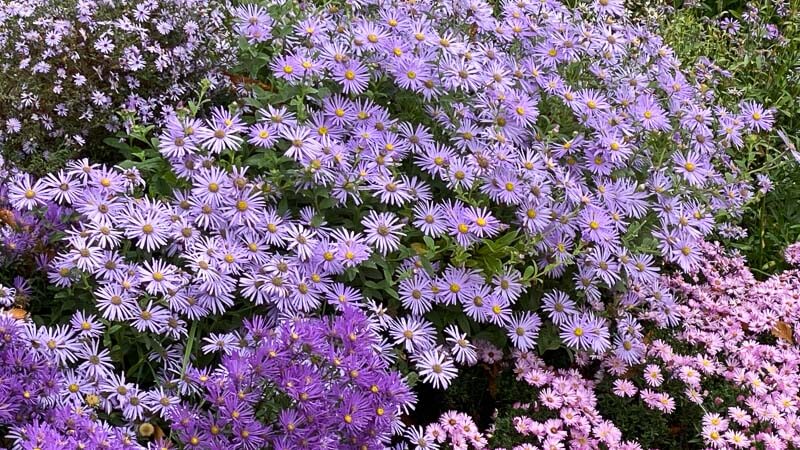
{"points": [[767, 71]]}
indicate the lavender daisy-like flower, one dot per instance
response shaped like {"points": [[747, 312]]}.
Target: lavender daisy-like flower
{"points": [[436, 367], [149, 228], [692, 167], [300, 240], [462, 350], [650, 114], [352, 76], [558, 306], [430, 219], [160, 276], [221, 131], [523, 329], [576, 331], [25, 194], [414, 333], [596, 226], [382, 230], [756, 117]]}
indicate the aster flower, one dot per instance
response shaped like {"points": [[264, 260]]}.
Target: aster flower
{"points": [[300, 240], [461, 349], [523, 330], [151, 318], [558, 306], [414, 333], [692, 167], [149, 228], [650, 114], [221, 132], [114, 303], [436, 367], [756, 117], [382, 230], [482, 223], [352, 76], [576, 331], [25, 194], [159, 276], [416, 295], [430, 219]]}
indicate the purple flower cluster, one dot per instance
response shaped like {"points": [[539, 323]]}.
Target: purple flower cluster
{"points": [[792, 254], [70, 67], [578, 198], [36, 393], [71, 428], [30, 380], [336, 386], [571, 135], [23, 233]]}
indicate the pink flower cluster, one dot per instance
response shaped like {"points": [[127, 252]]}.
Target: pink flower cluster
{"points": [[741, 332]]}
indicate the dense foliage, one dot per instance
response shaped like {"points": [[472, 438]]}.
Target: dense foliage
{"points": [[75, 71], [755, 49], [417, 225]]}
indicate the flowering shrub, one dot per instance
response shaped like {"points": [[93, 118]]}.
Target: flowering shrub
{"points": [[71, 65], [39, 398], [741, 44], [336, 389], [404, 191]]}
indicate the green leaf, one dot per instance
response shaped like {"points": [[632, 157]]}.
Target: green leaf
{"points": [[530, 273], [548, 339]]}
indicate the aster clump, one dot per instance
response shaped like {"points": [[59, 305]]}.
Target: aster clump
{"points": [[35, 406], [734, 354], [71, 428], [29, 227], [30, 380], [331, 384], [562, 413], [627, 183], [71, 66]]}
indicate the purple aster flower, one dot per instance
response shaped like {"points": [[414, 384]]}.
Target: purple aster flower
{"points": [[650, 114], [596, 226], [352, 76], [149, 227], [287, 68], [430, 219], [692, 167], [160, 276], [756, 117], [508, 284], [382, 230], [221, 131], [416, 334], [25, 194], [416, 294], [523, 329], [558, 306], [436, 367], [482, 223]]}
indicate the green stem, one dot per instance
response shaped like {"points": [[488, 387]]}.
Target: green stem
{"points": [[188, 351]]}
